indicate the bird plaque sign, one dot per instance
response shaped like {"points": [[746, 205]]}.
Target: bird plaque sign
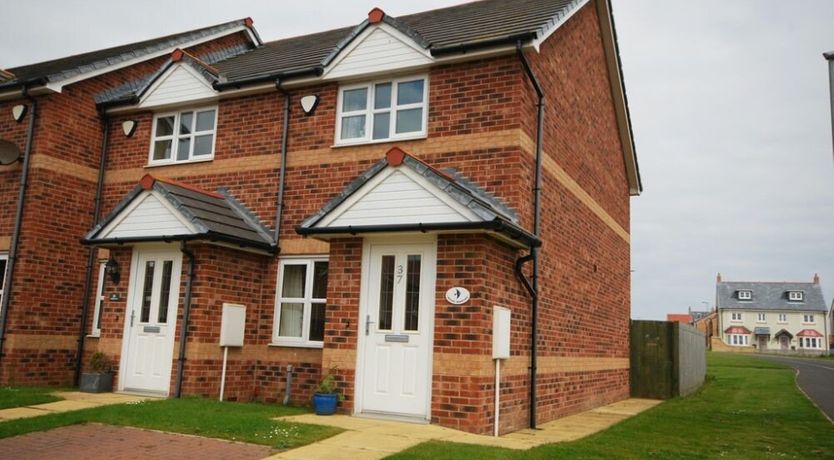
{"points": [[457, 295]]}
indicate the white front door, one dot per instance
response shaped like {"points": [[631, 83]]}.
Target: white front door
{"points": [[150, 321], [396, 329]]}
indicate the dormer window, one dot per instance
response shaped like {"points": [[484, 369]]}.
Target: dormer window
{"points": [[745, 294], [184, 136], [382, 111], [795, 296]]}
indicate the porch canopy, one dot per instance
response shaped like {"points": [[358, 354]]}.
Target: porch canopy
{"points": [[403, 194], [761, 331], [161, 210], [785, 333]]}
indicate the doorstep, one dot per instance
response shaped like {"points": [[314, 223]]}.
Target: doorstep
{"points": [[374, 439], [73, 400]]}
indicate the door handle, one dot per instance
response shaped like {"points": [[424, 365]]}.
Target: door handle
{"points": [[368, 323]]}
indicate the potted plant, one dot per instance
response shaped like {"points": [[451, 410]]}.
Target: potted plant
{"points": [[100, 377], [326, 399]]}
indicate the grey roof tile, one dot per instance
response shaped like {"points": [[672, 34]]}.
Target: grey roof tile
{"points": [[769, 296]]}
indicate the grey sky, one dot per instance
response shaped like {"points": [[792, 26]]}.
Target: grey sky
{"points": [[729, 101]]}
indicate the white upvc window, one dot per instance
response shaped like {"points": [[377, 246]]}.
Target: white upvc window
{"points": [[808, 319], [4, 261], [735, 316], [183, 136], [795, 296], [96, 329], [383, 110], [761, 317], [783, 318], [738, 340], [810, 342], [745, 294], [301, 302]]}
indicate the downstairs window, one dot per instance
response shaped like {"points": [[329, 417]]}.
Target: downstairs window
{"points": [[300, 304]]}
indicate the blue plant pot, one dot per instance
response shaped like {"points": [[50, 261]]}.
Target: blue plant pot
{"points": [[325, 404]]}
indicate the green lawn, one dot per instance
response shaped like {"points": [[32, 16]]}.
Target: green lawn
{"points": [[13, 396], [247, 422], [748, 409]]}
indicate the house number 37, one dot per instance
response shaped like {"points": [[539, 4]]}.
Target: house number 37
{"points": [[399, 273]]}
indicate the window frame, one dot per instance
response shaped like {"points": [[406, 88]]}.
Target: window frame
{"points": [[783, 318], [307, 300], [733, 317], [370, 111], [810, 343], [796, 296], [738, 340], [745, 294], [174, 138], [3, 256], [761, 317], [95, 331], [809, 318]]}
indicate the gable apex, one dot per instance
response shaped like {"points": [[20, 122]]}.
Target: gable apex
{"points": [[178, 82]]}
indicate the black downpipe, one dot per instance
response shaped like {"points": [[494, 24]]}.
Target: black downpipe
{"points": [[534, 250], [279, 209], [186, 312], [18, 220], [91, 256]]}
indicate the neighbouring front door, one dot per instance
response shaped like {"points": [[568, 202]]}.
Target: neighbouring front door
{"points": [[396, 329], [784, 342], [150, 321], [762, 342]]}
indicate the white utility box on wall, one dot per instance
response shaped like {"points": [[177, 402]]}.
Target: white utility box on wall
{"points": [[232, 325], [501, 333]]}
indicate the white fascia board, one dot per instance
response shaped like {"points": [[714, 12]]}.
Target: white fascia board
{"points": [[578, 6], [58, 85]]}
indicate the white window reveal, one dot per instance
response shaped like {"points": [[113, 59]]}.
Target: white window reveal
{"points": [[745, 294], [383, 110], [761, 317], [4, 260], [96, 330], [735, 316], [808, 319], [795, 296], [300, 307], [783, 318], [738, 340], [183, 136]]}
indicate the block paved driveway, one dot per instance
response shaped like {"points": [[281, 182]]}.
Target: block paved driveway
{"points": [[816, 378], [93, 441]]}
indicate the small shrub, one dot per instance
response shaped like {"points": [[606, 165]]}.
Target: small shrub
{"points": [[99, 362]]}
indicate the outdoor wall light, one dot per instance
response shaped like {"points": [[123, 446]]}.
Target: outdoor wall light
{"points": [[129, 127], [309, 103], [113, 271], [18, 112]]}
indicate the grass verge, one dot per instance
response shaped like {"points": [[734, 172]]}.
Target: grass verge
{"points": [[245, 422], [748, 409], [13, 396]]}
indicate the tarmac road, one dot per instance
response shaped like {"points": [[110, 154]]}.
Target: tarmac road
{"points": [[816, 378]]}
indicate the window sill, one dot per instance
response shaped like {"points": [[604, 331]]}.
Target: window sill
{"points": [[297, 345], [177, 163], [93, 336], [379, 141]]}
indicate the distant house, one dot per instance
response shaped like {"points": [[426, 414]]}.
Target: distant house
{"points": [[772, 316], [707, 322], [683, 318]]}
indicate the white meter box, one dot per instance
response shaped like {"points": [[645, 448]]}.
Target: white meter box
{"points": [[232, 325], [501, 333]]}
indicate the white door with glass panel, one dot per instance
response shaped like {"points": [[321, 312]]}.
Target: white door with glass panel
{"points": [[150, 321], [396, 329]]}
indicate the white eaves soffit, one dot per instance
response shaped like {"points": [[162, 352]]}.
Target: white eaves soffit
{"points": [[397, 195], [179, 84], [378, 49], [149, 215]]}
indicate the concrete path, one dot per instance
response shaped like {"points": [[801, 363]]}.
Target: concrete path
{"points": [[93, 441], [374, 439], [73, 400], [816, 379]]}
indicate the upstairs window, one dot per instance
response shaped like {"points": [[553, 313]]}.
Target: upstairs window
{"points": [[783, 318], [184, 136], [735, 316], [808, 318], [745, 294], [383, 110], [795, 296], [761, 317]]}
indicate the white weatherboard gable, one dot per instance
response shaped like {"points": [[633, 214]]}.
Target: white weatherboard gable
{"points": [[148, 215], [379, 48], [397, 196], [179, 84]]}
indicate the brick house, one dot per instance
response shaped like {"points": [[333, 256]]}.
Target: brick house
{"points": [[371, 195], [771, 317]]}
